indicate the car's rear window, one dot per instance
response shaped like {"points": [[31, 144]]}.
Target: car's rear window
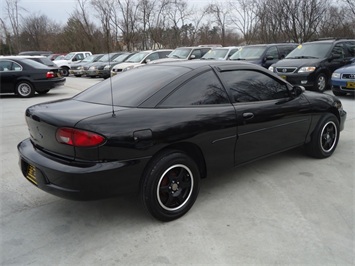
{"points": [[133, 87]]}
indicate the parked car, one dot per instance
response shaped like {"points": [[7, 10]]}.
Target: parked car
{"points": [[43, 53], [264, 54], [160, 128], [185, 53], [53, 57], [220, 53], [24, 76], [77, 69], [94, 69], [70, 59], [312, 64], [140, 59], [105, 72], [343, 80], [40, 59]]}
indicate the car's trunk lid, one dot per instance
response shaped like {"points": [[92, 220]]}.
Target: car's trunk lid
{"points": [[43, 121]]}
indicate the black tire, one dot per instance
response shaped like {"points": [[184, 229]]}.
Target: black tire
{"points": [[321, 83], [64, 71], [77, 76], [24, 89], [325, 137], [43, 92], [170, 185]]}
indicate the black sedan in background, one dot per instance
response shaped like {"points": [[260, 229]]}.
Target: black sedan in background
{"points": [[24, 76], [160, 128]]}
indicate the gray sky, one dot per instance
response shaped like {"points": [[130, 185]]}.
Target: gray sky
{"points": [[60, 10]]}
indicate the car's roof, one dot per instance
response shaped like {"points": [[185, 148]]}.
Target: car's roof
{"points": [[332, 40], [194, 64]]}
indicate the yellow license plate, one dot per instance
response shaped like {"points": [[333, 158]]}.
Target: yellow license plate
{"points": [[350, 85], [283, 77], [31, 174]]}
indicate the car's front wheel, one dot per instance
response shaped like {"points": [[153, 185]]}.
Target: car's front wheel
{"points": [[324, 138], [24, 89], [170, 185], [321, 83]]}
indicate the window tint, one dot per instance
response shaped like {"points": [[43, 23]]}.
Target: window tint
{"points": [[272, 51], [164, 54], [203, 89], [152, 56], [130, 91], [350, 47], [338, 50], [197, 53], [251, 86]]}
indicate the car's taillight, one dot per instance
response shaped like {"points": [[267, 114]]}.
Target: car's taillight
{"points": [[78, 138], [50, 74]]}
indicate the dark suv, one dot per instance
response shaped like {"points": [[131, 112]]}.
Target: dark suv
{"points": [[263, 54], [311, 65]]}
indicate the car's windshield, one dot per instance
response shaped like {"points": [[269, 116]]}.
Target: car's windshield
{"points": [[130, 91], [216, 54], [120, 58], [69, 56], [248, 53], [181, 53], [310, 50], [106, 57], [89, 58], [137, 58]]}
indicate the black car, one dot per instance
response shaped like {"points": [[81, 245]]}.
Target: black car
{"points": [[263, 54], [160, 128], [24, 76], [311, 64]]}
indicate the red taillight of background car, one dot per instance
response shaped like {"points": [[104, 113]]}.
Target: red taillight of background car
{"points": [[50, 74], [78, 138]]}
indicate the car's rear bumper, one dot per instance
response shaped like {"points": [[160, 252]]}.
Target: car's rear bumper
{"points": [[78, 180], [42, 85]]}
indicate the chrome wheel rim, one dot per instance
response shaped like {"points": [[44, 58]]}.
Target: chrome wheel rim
{"points": [[329, 136], [24, 89], [175, 187], [321, 83]]}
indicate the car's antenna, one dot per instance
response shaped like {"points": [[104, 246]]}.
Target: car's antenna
{"points": [[109, 62]]}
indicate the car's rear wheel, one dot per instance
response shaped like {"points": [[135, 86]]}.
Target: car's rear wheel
{"points": [[325, 137], [321, 82], [170, 185], [64, 71], [24, 89]]}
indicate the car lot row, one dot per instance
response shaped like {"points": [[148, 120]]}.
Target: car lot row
{"points": [[310, 65]]}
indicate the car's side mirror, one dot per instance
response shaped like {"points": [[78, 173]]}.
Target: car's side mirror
{"points": [[193, 56], [297, 90], [335, 56], [269, 57]]}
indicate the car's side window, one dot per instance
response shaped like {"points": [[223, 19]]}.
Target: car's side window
{"points": [[272, 51], [339, 50], [350, 47], [9, 66], [153, 56], [197, 53], [253, 86], [205, 89]]}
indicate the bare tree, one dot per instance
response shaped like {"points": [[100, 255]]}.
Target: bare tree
{"points": [[13, 9], [245, 18], [351, 6], [220, 12]]}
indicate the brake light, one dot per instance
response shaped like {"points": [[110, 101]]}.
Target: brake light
{"points": [[50, 74], [78, 138]]}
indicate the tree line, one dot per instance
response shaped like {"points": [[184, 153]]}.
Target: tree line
{"points": [[126, 25]]}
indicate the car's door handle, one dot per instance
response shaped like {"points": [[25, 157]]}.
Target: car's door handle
{"points": [[248, 115]]}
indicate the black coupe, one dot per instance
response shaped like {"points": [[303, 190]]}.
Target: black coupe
{"points": [[24, 76], [160, 128]]}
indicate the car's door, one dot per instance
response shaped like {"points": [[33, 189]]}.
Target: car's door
{"points": [[199, 112], [9, 71], [269, 119]]}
